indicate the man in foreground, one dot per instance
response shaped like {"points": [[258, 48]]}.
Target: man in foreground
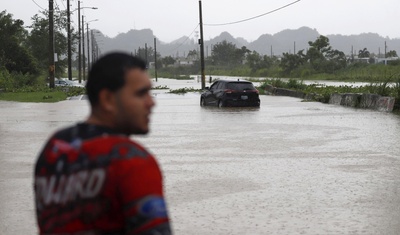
{"points": [[91, 178]]}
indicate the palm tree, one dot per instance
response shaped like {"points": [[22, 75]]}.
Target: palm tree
{"points": [[364, 53]]}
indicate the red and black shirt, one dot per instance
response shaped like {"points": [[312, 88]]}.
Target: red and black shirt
{"points": [[90, 180]]}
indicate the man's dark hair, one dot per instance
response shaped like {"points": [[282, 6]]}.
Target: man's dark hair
{"points": [[109, 73]]}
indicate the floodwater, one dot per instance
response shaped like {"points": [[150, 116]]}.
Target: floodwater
{"points": [[289, 167]]}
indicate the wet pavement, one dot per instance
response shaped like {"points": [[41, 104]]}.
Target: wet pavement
{"points": [[289, 167]]}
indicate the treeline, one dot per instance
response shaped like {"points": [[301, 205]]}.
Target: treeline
{"points": [[24, 54], [320, 61]]}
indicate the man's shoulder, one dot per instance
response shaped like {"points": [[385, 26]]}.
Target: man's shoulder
{"points": [[90, 140], [117, 147], [83, 131], [97, 151], [64, 132]]}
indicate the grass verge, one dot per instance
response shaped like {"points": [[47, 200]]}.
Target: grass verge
{"points": [[47, 97]]}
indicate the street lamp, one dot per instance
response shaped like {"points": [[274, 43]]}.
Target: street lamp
{"points": [[51, 44], [79, 38], [88, 45], [69, 38], [95, 45]]}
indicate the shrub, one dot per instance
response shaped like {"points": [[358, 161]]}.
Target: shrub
{"points": [[184, 90], [296, 84], [15, 80]]}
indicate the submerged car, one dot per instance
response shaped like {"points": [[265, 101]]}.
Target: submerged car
{"points": [[226, 93]]}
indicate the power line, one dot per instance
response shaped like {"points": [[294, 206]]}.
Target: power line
{"points": [[38, 5], [186, 38], [65, 8], [252, 18], [57, 8]]}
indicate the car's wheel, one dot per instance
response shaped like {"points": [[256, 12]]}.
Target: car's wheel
{"points": [[202, 102], [220, 104]]}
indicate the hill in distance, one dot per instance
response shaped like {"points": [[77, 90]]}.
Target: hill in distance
{"points": [[288, 40]]}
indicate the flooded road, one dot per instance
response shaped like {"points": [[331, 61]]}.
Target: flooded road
{"points": [[289, 167]]}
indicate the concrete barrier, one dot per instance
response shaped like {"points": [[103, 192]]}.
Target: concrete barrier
{"points": [[351, 100], [365, 101], [287, 92], [368, 101], [335, 99], [385, 104], [269, 90]]}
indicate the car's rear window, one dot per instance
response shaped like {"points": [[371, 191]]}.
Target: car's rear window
{"points": [[240, 86]]}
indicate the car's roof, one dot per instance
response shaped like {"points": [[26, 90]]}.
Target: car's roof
{"points": [[228, 81]]}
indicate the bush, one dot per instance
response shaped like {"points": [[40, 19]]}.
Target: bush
{"points": [[394, 62], [5, 80], [14, 80], [184, 90], [296, 84]]}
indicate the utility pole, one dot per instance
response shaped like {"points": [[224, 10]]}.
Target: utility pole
{"points": [[88, 46], [145, 55], [155, 58], [79, 43], [51, 44], [385, 54], [93, 45], [385, 49], [294, 48], [201, 42], [352, 54], [83, 48], [69, 41], [271, 51]]}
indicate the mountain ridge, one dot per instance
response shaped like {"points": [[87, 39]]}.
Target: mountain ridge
{"points": [[286, 40]]}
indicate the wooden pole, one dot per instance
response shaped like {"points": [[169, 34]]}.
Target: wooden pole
{"points": [[201, 42]]}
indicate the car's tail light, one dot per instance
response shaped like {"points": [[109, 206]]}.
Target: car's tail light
{"points": [[255, 90], [229, 91]]}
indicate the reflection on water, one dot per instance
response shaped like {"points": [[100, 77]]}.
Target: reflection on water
{"points": [[230, 109]]}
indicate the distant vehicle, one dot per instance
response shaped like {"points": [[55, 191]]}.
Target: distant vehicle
{"points": [[59, 82], [226, 93]]}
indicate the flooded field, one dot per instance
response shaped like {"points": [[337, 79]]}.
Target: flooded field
{"points": [[289, 167]]}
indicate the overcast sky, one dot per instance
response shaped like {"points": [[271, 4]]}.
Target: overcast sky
{"points": [[172, 19]]}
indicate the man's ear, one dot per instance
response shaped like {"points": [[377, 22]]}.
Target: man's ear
{"points": [[107, 100]]}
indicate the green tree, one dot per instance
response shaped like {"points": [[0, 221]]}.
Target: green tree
{"points": [[168, 60], [318, 49], [253, 60], [364, 53], [14, 55], [256, 62], [227, 54], [391, 53], [193, 55], [323, 58], [38, 40], [141, 52], [291, 62], [335, 60]]}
